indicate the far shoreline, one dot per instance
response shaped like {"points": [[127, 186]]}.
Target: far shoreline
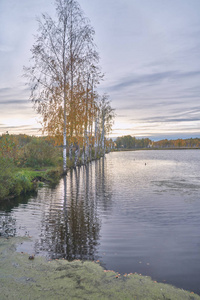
{"points": [[150, 149]]}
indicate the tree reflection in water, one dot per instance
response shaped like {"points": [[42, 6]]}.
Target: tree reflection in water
{"points": [[71, 231], [8, 227]]}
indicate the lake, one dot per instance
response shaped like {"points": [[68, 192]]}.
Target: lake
{"points": [[136, 211]]}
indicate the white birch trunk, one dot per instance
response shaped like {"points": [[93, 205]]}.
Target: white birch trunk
{"points": [[96, 137], [103, 136], [65, 134], [86, 147], [64, 153], [77, 153], [70, 151], [83, 156]]}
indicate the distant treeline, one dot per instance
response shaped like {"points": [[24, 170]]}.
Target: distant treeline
{"points": [[129, 142]]}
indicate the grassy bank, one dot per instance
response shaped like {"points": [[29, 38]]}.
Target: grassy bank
{"points": [[27, 161], [22, 278], [17, 181]]}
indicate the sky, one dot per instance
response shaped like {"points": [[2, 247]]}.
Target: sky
{"points": [[150, 55]]}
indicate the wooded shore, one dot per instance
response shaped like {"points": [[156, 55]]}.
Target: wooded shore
{"points": [[26, 162]]}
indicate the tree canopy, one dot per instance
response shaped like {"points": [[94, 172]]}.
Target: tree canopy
{"points": [[63, 77]]}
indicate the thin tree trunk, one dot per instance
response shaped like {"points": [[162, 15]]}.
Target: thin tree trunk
{"points": [[77, 153], [64, 131], [65, 100], [83, 155], [96, 137], [70, 151], [103, 136], [86, 147]]}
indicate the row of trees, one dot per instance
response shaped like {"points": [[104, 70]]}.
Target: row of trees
{"points": [[179, 143], [63, 78], [129, 142]]}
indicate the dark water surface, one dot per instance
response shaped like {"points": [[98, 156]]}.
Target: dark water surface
{"points": [[134, 211]]}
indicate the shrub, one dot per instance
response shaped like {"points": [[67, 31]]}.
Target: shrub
{"points": [[39, 153], [6, 176], [22, 184], [53, 176]]}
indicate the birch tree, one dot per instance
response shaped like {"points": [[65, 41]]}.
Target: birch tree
{"points": [[62, 48], [106, 116]]}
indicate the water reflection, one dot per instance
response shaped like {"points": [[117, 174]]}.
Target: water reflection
{"points": [[103, 186], [133, 217], [65, 221], [7, 220], [72, 231], [71, 228], [9, 204]]}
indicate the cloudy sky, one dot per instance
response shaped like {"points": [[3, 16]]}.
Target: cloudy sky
{"points": [[150, 54]]}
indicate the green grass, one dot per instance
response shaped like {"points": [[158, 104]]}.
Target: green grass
{"points": [[23, 180]]}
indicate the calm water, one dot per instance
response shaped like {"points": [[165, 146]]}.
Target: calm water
{"points": [[133, 211]]}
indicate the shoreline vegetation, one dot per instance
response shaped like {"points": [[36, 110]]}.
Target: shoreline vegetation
{"points": [[128, 142], [23, 275], [149, 149], [27, 162]]}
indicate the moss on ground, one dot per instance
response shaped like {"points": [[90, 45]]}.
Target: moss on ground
{"points": [[22, 278]]}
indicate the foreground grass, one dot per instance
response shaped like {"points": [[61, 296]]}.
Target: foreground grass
{"points": [[21, 278]]}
